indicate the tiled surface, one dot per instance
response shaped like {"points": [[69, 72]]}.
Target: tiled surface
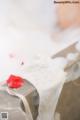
{"points": [[69, 102]]}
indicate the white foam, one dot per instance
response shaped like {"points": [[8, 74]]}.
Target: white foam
{"points": [[25, 28], [72, 56]]}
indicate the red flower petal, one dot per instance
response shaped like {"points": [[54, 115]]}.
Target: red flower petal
{"points": [[15, 81]]}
